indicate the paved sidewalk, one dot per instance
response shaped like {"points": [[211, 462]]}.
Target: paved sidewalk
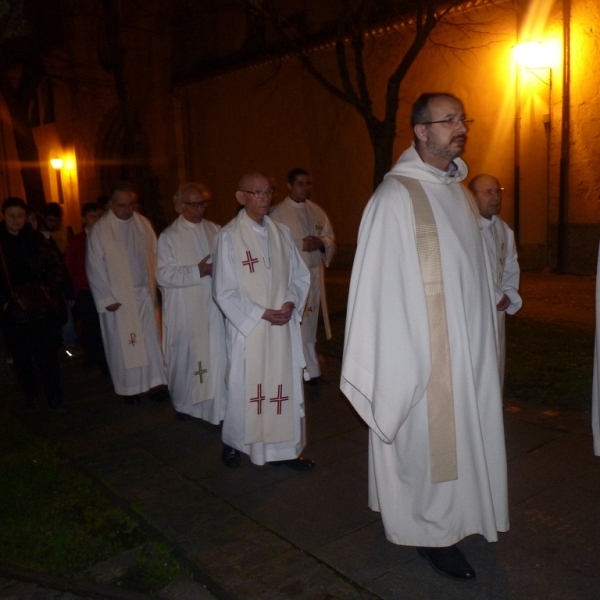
{"points": [[271, 533]]}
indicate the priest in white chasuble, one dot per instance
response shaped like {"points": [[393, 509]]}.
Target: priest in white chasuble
{"points": [[260, 283], [502, 249], [193, 326], [121, 269], [313, 236], [420, 359]]}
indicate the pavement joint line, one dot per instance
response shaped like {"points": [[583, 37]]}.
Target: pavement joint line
{"points": [[81, 588], [217, 590], [547, 443]]}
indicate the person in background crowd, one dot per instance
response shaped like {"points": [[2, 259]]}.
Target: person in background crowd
{"points": [[52, 227], [31, 287], [91, 336]]}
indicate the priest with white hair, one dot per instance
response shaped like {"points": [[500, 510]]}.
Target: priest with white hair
{"points": [[193, 325], [121, 267], [261, 283]]}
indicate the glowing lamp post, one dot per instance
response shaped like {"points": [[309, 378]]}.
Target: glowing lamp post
{"points": [[57, 164], [535, 56]]}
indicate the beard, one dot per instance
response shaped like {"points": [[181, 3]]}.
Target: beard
{"points": [[448, 151]]}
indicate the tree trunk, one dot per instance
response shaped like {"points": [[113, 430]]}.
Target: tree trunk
{"points": [[382, 136]]}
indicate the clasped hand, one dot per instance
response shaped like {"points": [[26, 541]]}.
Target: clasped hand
{"points": [[279, 317], [205, 267], [312, 243]]}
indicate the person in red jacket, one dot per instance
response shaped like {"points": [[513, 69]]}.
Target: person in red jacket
{"points": [[91, 337]]}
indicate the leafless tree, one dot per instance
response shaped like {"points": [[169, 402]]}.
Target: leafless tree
{"points": [[358, 23]]}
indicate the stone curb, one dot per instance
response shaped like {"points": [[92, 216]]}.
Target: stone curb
{"points": [[81, 588]]}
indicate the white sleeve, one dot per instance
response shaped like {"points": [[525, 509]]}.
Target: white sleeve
{"points": [[97, 272], [242, 312], [511, 275], [169, 273]]}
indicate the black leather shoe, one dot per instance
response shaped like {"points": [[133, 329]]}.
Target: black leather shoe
{"points": [[298, 464], [133, 400], [449, 561], [183, 416], [160, 396], [230, 457]]}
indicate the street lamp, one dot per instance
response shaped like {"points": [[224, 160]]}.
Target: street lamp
{"points": [[57, 164], [533, 56]]}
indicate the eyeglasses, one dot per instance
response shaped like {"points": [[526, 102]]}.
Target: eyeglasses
{"points": [[450, 122], [259, 193], [490, 192], [202, 204]]}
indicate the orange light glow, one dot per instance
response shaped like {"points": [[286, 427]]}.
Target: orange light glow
{"points": [[535, 55], [56, 163]]}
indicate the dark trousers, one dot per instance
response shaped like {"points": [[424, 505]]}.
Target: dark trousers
{"points": [[91, 336], [34, 347]]}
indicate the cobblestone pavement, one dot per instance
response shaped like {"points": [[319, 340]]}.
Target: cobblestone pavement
{"points": [[271, 533]]}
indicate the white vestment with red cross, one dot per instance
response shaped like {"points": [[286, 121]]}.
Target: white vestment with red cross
{"points": [[258, 267]]}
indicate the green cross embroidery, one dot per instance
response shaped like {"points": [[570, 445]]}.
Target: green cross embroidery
{"points": [[201, 371]]}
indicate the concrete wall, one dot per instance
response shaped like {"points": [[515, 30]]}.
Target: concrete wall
{"points": [[274, 117]]}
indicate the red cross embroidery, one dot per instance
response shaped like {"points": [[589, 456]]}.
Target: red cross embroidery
{"points": [[259, 399], [132, 339], [279, 398], [250, 262]]}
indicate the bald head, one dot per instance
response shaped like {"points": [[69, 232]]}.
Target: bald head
{"points": [[487, 193], [254, 193], [249, 178]]}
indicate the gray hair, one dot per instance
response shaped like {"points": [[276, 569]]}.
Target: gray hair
{"points": [[185, 188]]}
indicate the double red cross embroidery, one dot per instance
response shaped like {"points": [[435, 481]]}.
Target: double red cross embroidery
{"points": [[259, 399], [279, 399]]}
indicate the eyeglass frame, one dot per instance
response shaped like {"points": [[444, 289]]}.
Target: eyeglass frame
{"points": [[259, 193], [450, 122]]}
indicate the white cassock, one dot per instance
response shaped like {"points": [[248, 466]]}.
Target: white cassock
{"points": [[304, 219], [120, 266], [387, 364], [244, 323], [500, 242], [193, 325], [596, 379]]}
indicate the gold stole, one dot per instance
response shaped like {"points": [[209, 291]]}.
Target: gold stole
{"points": [[129, 326], [197, 299], [440, 398]]}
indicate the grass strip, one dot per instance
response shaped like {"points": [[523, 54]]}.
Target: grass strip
{"points": [[57, 520]]}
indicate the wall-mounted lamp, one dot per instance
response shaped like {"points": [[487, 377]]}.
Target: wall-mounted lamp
{"points": [[535, 56], [57, 164], [531, 55]]}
